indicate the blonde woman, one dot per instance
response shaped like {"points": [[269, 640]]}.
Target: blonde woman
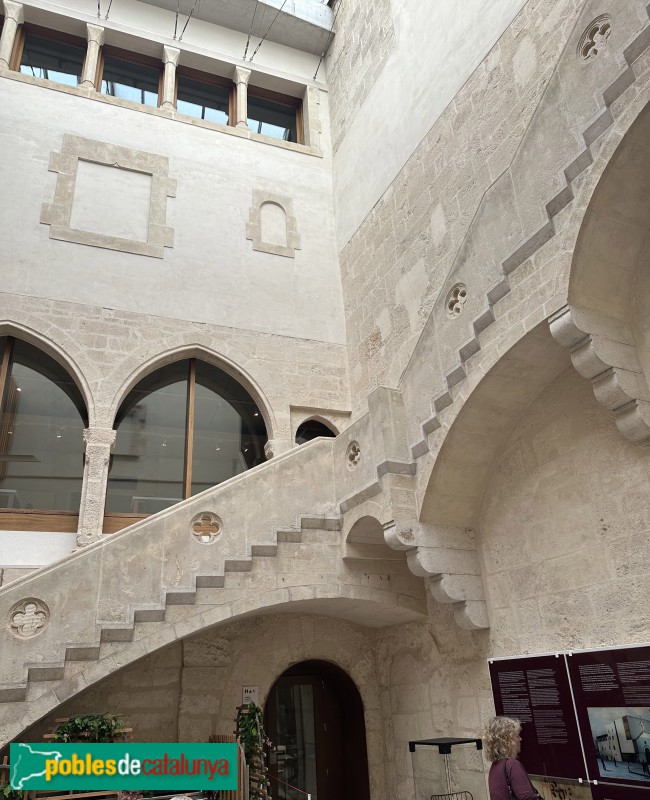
{"points": [[508, 780]]}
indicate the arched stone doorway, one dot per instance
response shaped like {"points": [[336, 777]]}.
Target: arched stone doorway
{"points": [[314, 716]]}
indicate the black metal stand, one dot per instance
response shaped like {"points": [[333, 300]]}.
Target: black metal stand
{"points": [[444, 746]]}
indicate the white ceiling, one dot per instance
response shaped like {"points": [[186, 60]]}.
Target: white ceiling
{"points": [[302, 24]]}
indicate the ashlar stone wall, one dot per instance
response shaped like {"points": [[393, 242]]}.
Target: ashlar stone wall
{"points": [[565, 529], [395, 265]]}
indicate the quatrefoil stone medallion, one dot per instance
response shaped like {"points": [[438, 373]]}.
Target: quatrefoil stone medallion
{"points": [[595, 37], [28, 618], [456, 299], [205, 527], [352, 455]]}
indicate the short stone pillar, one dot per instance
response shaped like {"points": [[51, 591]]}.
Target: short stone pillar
{"points": [[14, 16], [99, 443], [95, 36], [241, 79], [170, 60]]}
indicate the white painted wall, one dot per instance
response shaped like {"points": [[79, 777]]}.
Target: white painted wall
{"points": [[34, 548], [438, 47], [212, 274]]}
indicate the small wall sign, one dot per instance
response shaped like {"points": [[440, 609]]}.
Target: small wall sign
{"points": [[250, 694]]}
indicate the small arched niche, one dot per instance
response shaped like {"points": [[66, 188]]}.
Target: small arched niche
{"points": [[273, 224], [311, 429], [314, 715]]}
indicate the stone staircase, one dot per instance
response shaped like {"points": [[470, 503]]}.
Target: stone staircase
{"points": [[103, 607]]}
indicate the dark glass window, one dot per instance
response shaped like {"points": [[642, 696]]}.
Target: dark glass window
{"points": [[271, 118], [312, 429], [41, 432], [202, 100], [130, 81], [183, 429], [52, 59]]}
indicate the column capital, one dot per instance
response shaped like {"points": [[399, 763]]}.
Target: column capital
{"points": [[14, 11], [170, 55], [95, 33], [241, 75], [102, 437]]}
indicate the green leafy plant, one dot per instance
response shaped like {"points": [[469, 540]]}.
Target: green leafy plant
{"points": [[7, 793], [255, 742], [92, 728]]}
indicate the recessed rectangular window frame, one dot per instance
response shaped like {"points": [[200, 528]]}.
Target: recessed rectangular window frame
{"points": [[26, 29], [285, 100], [211, 80], [133, 58]]}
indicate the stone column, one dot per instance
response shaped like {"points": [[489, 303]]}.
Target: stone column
{"points": [[14, 16], [99, 443], [170, 60], [241, 79], [95, 36]]}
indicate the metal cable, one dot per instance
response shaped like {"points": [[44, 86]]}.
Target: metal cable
{"points": [[99, 8], [178, 11], [262, 40], [196, 2], [109, 9], [257, 2], [329, 38]]}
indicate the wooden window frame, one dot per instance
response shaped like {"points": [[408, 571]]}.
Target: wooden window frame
{"points": [[44, 33], [211, 80], [285, 100], [132, 58]]}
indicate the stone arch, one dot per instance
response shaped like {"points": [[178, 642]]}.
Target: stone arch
{"points": [[204, 354], [605, 323], [344, 749], [441, 546], [303, 429], [61, 356], [324, 421], [366, 530], [333, 599]]}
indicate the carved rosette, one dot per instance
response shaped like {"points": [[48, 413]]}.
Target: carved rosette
{"points": [[206, 527], [353, 455], [595, 38], [456, 299], [28, 618]]}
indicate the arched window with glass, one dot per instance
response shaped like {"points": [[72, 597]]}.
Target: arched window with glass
{"points": [[184, 428], [42, 418]]}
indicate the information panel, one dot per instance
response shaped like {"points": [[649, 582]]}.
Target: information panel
{"points": [[603, 792], [536, 691], [612, 694]]}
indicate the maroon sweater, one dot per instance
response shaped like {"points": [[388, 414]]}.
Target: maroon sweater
{"points": [[519, 781]]}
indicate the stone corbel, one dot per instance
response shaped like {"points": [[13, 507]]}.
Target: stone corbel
{"points": [[603, 350], [447, 556]]}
